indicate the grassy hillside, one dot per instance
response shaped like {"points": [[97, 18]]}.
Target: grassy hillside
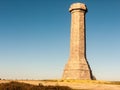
{"points": [[59, 85], [86, 81]]}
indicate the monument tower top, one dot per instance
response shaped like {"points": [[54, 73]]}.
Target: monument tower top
{"points": [[78, 6]]}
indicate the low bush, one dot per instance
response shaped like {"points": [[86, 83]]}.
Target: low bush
{"points": [[24, 86]]}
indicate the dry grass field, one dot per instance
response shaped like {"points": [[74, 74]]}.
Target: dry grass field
{"points": [[74, 84]]}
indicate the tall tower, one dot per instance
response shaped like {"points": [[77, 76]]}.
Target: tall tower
{"points": [[77, 66]]}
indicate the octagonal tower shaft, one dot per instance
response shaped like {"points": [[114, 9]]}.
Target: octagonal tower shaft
{"points": [[77, 66], [77, 40]]}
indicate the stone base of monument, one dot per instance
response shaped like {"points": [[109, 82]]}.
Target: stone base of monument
{"points": [[77, 71]]}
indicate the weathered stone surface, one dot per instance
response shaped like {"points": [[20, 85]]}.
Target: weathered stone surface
{"points": [[77, 66]]}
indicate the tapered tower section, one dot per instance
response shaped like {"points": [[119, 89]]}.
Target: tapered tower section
{"points": [[77, 66]]}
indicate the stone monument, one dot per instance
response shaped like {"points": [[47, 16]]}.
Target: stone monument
{"points": [[77, 66]]}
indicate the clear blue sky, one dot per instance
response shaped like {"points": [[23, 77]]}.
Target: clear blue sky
{"points": [[35, 37]]}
